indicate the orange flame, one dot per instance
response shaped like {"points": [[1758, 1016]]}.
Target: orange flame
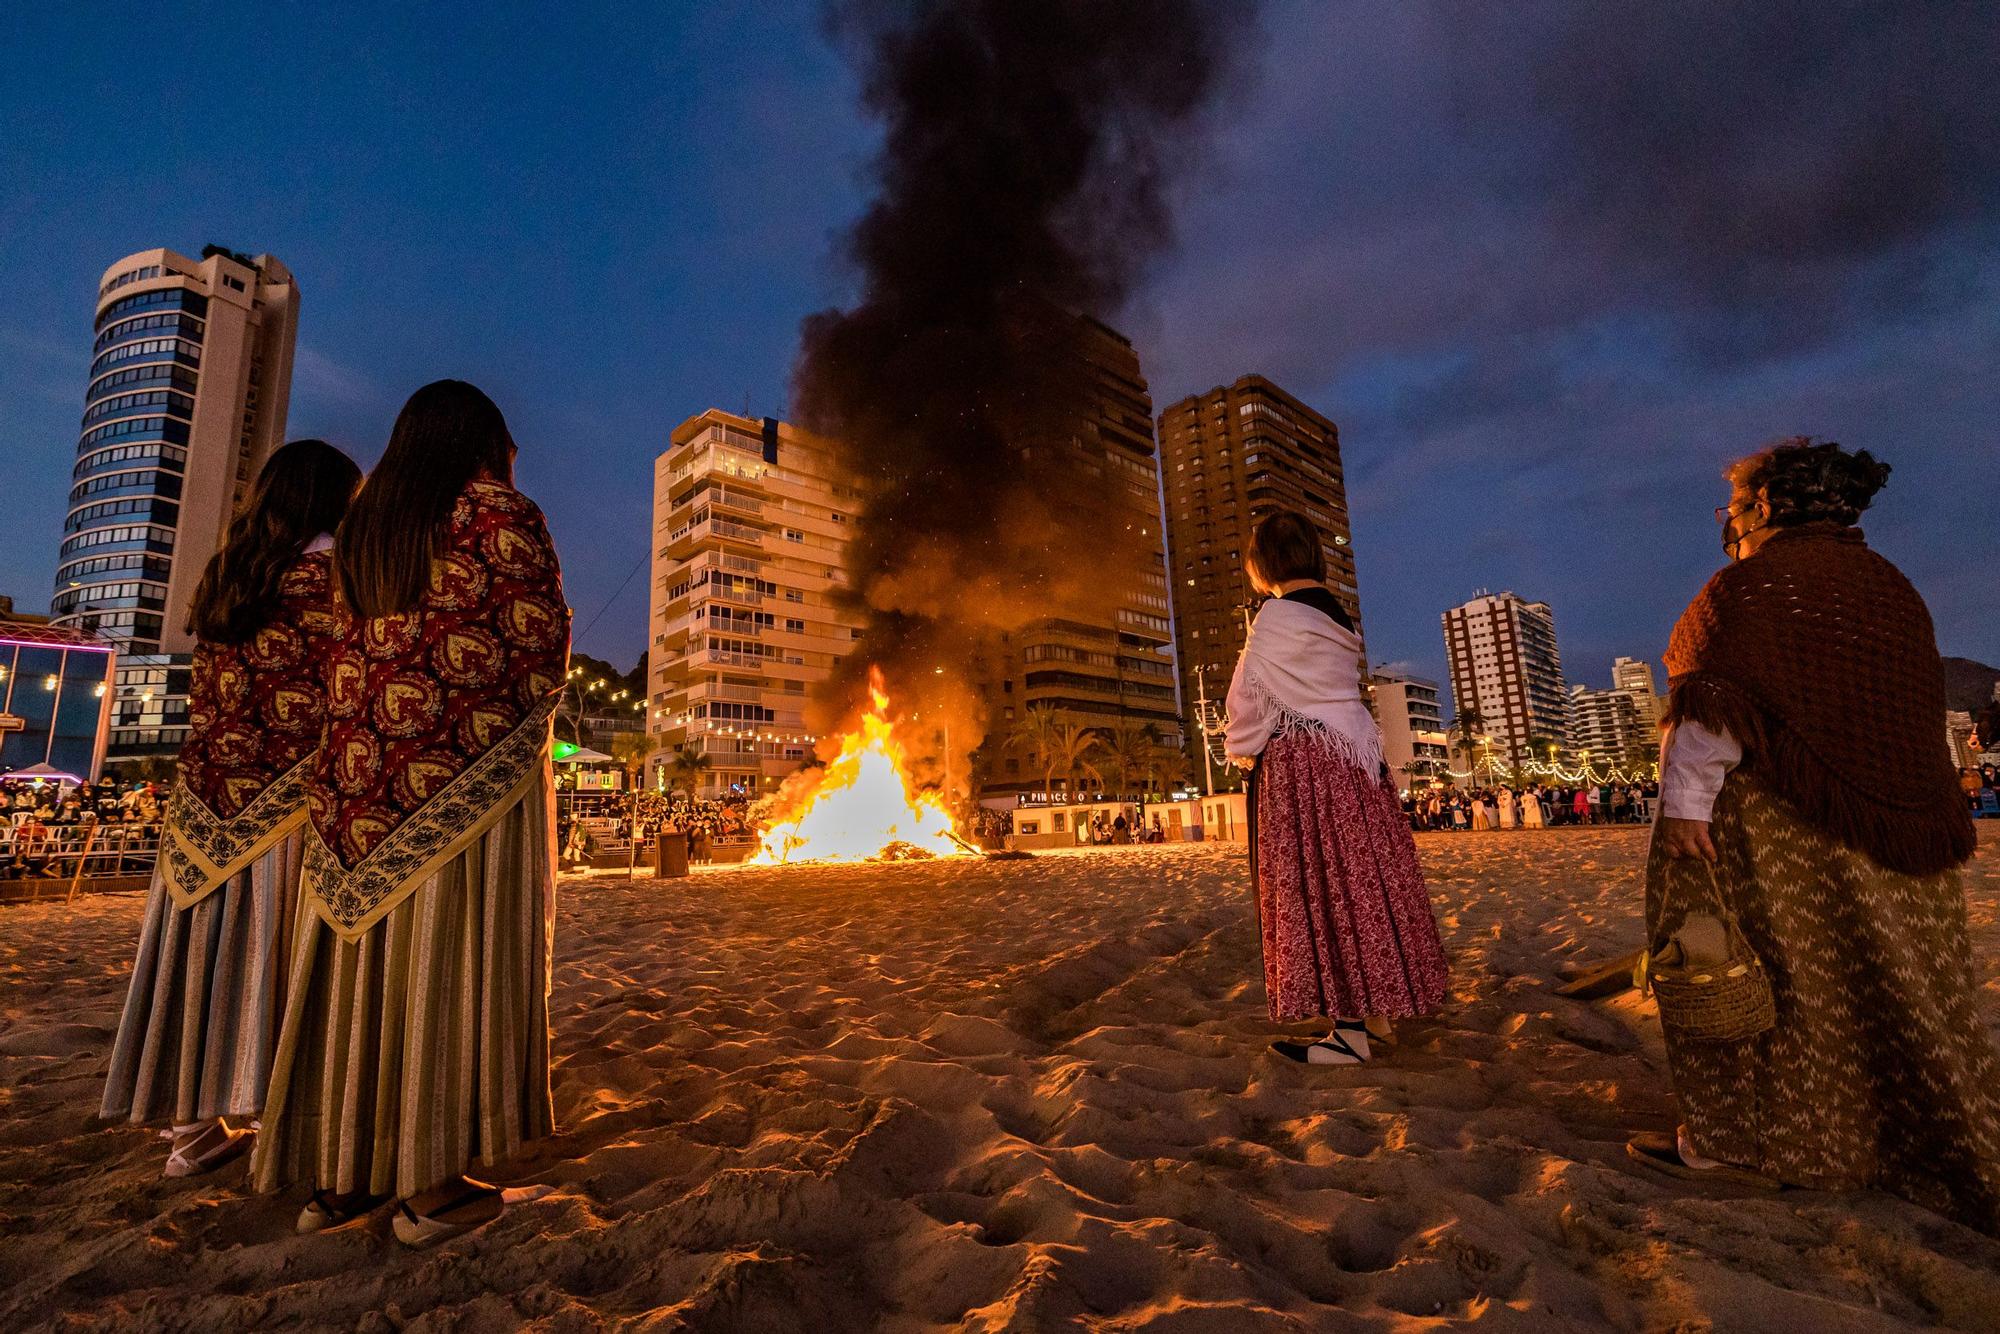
{"points": [[862, 805]]}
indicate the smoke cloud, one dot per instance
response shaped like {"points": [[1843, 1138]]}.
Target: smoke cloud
{"points": [[1024, 180]]}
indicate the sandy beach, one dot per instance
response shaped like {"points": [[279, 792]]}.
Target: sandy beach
{"points": [[999, 1096]]}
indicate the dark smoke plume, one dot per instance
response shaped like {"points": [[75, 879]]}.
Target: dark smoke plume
{"points": [[1024, 179]]}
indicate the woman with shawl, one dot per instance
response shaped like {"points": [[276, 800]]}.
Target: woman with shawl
{"points": [[1806, 764], [196, 1039], [1348, 933], [415, 1040]]}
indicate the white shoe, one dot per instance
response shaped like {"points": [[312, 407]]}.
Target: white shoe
{"points": [[206, 1150]]}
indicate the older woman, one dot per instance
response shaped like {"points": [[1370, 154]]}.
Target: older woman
{"points": [[1806, 764]]}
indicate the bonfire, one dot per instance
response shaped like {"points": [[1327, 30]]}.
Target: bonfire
{"points": [[862, 805]]}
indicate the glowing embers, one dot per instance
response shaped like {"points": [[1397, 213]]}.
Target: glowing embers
{"points": [[861, 806]]}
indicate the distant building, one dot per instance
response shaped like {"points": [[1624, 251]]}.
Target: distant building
{"points": [[1414, 744], [1115, 669], [1605, 726], [1636, 679], [1228, 458], [55, 704], [1505, 666], [188, 392], [1958, 739], [749, 548]]}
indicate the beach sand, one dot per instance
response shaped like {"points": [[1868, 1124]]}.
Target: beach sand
{"points": [[999, 1095]]}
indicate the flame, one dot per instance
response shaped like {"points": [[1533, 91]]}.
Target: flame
{"points": [[861, 805]]}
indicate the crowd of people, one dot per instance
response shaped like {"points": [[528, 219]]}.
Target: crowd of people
{"points": [[46, 826], [1535, 806], [705, 821]]}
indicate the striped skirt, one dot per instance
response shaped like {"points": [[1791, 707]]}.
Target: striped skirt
{"points": [[422, 1048], [201, 1017], [1347, 923]]}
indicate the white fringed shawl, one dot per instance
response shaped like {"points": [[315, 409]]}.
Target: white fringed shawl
{"points": [[1301, 669]]}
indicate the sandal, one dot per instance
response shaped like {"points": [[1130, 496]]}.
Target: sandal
{"points": [[326, 1211], [187, 1161], [1662, 1153], [1337, 1048], [417, 1230]]}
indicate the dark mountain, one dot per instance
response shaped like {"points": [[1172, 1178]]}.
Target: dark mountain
{"points": [[1968, 685]]}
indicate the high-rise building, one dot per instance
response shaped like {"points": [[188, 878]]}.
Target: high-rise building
{"points": [[1635, 678], [1230, 457], [749, 549], [1605, 726], [1114, 669], [1414, 744], [1505, 666], [189, 387]]}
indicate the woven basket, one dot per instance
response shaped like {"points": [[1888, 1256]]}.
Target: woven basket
{"points": [[1725, 1002]]}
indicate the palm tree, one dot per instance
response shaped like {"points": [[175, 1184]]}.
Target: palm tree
{"points": [[1167, 767], [1127, 751], [685, 767], [1072, 750], [1464, 734], [1034, 736], [632, 750]]}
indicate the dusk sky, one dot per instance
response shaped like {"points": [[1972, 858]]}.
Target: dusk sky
{"points": [[1548, 267]]}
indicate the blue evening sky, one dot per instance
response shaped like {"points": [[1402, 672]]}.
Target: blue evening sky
{"points": [[1531, 308]]}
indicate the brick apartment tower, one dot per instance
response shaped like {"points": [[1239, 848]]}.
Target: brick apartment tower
{"points": [[1505, 664], [1230, 457]]}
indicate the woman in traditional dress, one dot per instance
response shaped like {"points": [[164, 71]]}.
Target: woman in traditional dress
{"points": [[1348, 933], [1806, 765], [195, 1042], [1531, 810], [415, 1038], [1507, 808]]}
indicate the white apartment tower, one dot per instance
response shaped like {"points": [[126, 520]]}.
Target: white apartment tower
{"points": [[190, 379], [749, 549], [1635, 678], [1414, 743], [1506, 667]]}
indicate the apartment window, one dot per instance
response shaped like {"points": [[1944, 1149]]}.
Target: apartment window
{"points": [[795, 627], [794, 535], [234, 284]]}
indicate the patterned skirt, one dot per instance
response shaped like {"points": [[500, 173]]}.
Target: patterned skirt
{"points": [[201, 1016], [1347, 923], [1879, 1072], [422, 1047]]}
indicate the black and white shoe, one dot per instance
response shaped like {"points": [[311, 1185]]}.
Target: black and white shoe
{"points": [[1347, 1044]]}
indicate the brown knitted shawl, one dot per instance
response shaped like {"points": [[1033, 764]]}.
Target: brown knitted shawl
{"points": [[1818, 656]]}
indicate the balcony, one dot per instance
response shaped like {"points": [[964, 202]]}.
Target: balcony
{"points": [[688, 538]]}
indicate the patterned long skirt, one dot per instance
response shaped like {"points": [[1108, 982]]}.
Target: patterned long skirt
{"points": [[1347, 923], [1879, 1072], [422, 1047], [200, 1023]]}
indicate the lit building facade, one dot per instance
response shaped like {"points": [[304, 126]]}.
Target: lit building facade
{"points": [[749, 550], [1414, 744], [1635, 678], [1606, 727], [1506, 667], [1230, 457], [55, 702], [189, 387], [1116, 669]]}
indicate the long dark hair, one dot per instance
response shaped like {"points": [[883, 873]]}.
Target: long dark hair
{"points": [[447, 434], [302, 491]]}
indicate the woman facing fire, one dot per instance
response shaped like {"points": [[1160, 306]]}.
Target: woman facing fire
{"points": [[415, 1039], [1347, 925], [196, 1039]]}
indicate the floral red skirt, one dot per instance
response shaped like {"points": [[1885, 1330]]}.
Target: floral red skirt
{"points": [[1347, 923]]}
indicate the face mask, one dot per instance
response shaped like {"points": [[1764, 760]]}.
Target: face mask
{"points": [[1733, 533]]}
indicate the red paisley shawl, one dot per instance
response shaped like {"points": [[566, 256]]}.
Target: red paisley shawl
{"points": [[437, 717], [255, 710]]}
